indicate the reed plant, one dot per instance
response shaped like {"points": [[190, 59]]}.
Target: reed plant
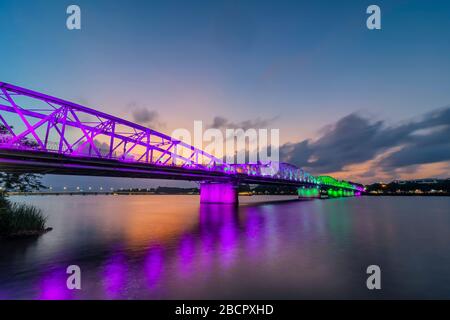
{"points": [[20, 219]]}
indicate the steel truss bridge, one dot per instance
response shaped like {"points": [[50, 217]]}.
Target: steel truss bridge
{"points": [[47, 135]]}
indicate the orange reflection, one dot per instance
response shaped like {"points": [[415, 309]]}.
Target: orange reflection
{"points": [[158, 219]]}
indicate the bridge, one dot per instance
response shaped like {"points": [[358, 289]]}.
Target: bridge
{"points": [[47, 135]]}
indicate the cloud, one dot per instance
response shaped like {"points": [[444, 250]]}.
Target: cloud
{"points": [[224, 123], [356, 139], [144, 116], [219, 122], [421, 150], [427, 142]]}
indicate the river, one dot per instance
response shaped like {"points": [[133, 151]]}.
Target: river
{"points": [[171, 247]]}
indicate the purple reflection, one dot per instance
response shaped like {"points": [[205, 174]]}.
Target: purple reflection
{"points": [[253, 238], [220, 224], [214, 216], [53, 286], [206, 250], [154, 264], [114, 276], [3, 295], [186, 254], [211, 216], [228, 243]]}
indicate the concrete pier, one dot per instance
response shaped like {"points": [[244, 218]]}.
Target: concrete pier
{"points": [[219, 192], [308, 193]]}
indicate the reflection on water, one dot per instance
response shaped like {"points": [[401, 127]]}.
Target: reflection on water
{"points": [[157, 247]]}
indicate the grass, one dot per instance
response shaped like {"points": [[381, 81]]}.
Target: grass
{"points": [[20, 219]]}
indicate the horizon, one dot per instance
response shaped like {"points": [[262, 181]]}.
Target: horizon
{"points": [[118, 183]]}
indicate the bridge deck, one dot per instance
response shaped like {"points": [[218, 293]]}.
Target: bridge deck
{"points": [[21, 161]]}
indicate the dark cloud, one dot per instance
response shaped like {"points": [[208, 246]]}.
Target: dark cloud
{"points": [[355, 139], [224, 123], [422, 149], [144, 116], [296, 153], [219, 122]]}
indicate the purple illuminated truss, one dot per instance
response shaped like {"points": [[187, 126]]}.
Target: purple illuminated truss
{"points": [[32, 121], [49, 124]]}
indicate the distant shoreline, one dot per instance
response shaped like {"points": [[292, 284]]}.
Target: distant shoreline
{"points": [[132, 193], [126, 193], [408, 194], [119, 193]]}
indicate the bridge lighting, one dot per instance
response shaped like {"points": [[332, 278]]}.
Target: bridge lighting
{"points": [[121, 132]]}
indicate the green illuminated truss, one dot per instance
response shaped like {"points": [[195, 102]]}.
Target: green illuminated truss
{"points": [[332, 182]]}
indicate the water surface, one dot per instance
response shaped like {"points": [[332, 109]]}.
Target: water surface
{"points": [[171, 247]]}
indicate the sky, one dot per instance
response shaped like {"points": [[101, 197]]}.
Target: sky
{"points": [[365, 105]]}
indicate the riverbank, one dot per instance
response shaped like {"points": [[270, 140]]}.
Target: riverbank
{"points": [[21, 220]]}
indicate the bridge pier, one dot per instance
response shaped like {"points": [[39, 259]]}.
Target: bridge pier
{"points": [[308, 193], [340, 193], [219, 192]]}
